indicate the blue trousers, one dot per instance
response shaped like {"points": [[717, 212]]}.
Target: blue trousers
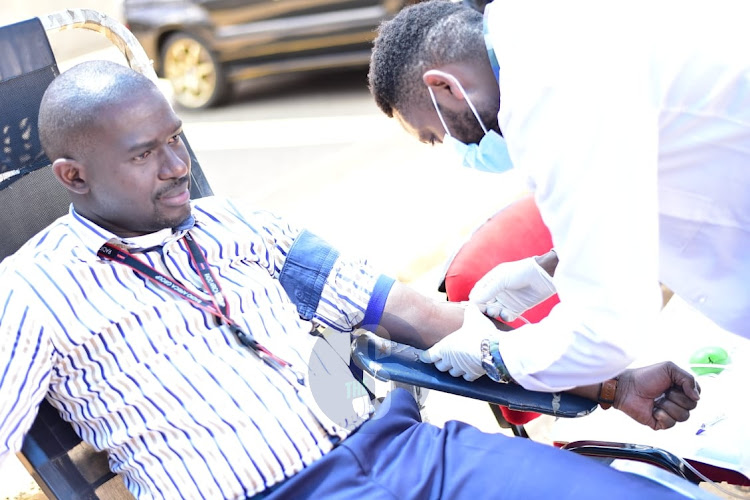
{"points": [[396, 456]]}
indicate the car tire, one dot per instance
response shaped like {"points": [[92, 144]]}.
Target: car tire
{"points": [[197, 78]]}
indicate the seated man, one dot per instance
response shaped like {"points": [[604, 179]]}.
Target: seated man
{"points": [[176, 336]]}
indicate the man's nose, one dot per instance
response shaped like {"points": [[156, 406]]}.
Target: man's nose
{"points": [[175, 162]]}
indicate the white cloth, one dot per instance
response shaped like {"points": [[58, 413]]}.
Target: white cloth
{"points": [[184, 409], [632, 123]]}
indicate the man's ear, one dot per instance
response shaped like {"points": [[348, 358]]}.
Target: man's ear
{"points": [[70, 173], [443, 83]]}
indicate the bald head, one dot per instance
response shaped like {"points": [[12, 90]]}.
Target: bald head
{"points": [[75, 101]]}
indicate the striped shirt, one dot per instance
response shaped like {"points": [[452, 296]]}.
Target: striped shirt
{"points": [[183, 408]]}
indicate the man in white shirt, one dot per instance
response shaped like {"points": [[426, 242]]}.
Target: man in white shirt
{"points": [[176, 335], [632, 123]]}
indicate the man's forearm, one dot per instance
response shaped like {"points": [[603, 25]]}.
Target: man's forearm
{"points": [[415, 319], [591, 392]]}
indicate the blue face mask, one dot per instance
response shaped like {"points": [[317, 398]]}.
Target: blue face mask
{"points": [[490, 155]]}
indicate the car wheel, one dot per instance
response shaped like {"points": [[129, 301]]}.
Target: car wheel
{"points": [[197, 78]]}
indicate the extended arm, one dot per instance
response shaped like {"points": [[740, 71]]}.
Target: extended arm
{"points": [[412, 318]]}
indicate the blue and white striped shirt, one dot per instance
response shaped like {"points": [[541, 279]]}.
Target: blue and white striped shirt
{"points": [[181, 406]]}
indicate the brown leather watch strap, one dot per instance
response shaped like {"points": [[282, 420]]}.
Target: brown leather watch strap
{"points": [[607, 392]]}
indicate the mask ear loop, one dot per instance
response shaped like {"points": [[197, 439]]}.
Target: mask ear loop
{"points": [[437, 108], [471, 104], [466, 98]]}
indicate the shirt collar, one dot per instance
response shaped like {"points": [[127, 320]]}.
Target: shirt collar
{"points": [[94, 236]]}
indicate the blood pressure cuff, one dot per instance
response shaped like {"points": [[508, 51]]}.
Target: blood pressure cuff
{"points": [[306, 269], [307, 266]]}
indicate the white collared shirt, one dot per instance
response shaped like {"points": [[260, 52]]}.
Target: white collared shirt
{"points": [[632, 121], [183, 408]]}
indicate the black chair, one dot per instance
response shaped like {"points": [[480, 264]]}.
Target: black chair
{"points": [[64, 466]]}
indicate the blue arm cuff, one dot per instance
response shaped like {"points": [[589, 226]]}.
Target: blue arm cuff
{"points": [[377, 302], [307, 266]]}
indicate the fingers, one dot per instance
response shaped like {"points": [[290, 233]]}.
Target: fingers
{"points": [[673, 407], [663, 420], [685, 380], [494, 310], [507, 315], [442, 364], [430, 355], [678, 397], [445, 366]]}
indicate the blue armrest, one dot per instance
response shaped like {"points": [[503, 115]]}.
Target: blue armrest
{"points": [[390, 361]]}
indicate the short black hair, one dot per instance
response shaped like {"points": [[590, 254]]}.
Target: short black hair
{"points": [[421, 37], [74, 100]]}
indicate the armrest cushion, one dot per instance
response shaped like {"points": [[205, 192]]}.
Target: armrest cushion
{"points": [[390, 361]]}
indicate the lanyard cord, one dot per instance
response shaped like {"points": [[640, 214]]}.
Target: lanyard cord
{"points": [[218, 306]]}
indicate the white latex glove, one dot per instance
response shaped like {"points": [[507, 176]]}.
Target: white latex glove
{"points": [[512, 288], [460, 353]]}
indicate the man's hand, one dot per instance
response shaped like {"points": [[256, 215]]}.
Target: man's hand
{"points": [[460, 352], [513, 287], [658, 396]]}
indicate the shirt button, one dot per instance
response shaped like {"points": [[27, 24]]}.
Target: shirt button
{"points": [[701, 299]]}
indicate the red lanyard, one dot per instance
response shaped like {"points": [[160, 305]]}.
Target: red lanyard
{"points": [[217, 305]]}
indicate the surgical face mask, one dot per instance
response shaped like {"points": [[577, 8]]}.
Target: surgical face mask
{"points": [[490, 155]]}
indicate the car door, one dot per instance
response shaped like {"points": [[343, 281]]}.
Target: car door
{"points": [[270, 30]]}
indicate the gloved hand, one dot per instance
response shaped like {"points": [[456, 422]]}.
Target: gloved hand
{"points": [[460, 353], [511, 288]]}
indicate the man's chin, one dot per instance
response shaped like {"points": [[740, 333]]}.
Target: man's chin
{"points": [[175, 220]]}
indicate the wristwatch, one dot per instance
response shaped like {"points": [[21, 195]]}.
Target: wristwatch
{"points": [[493, 363], [607, 391]]}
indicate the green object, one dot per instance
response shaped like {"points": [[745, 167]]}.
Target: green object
{"points": [[711, 355]]}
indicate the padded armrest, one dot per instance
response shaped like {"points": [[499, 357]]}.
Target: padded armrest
{"points": [[390, 361]]}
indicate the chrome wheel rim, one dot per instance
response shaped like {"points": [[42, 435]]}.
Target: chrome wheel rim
{"points": [[191, 71]]}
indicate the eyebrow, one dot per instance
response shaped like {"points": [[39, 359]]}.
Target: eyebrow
{"points": [[154, 142]]}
